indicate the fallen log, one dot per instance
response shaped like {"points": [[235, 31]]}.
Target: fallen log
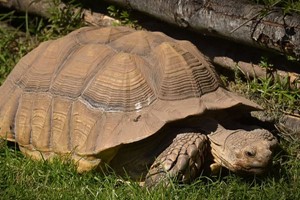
{"points": [[251, 70], [237, 20], [43, 8], [38, 7]]}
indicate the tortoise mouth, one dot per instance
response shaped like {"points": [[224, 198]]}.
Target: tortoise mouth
{"points": [[251, 170], [254, 168], [240, 167], [257, 169], [242, 170], [248, 169]]}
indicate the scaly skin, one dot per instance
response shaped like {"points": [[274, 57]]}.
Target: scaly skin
{"points": [[243, 151], [238, 150], [182, 160]]}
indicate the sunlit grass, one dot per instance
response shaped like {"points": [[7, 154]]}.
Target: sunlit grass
{"points": [[287, 5], [23, 178]]}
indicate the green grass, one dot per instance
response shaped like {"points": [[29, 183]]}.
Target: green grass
{"points": [[22, 178], [276, 94], [287, 5], [124, 17], [13, 45], [28, 32]]}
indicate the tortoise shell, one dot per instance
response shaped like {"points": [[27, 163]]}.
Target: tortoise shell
{"points": [[98, 88]]}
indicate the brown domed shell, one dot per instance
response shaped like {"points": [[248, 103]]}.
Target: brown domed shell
{"points": [[98, 88]]}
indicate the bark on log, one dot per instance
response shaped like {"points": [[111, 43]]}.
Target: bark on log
{"points": [[237, 20], [251, 70], [42, 8], [38, 7]]}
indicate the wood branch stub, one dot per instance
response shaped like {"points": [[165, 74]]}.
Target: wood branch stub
{"points": [[251, 70]]}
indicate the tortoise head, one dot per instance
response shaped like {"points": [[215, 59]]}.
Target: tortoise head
{"points": [[242, 151]]}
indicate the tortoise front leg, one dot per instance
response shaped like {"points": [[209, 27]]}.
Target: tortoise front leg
{"points": [[182, 160]]}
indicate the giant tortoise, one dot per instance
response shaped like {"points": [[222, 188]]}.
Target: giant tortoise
{"points": [[141, 103]]}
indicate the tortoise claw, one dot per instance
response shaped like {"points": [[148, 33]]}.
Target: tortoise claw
{"points": [[181, 161]]}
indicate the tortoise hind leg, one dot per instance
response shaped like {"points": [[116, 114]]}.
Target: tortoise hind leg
{"points": [[182, 160]]}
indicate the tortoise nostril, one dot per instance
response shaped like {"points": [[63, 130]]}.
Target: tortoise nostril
{"points": [[250, 153]]}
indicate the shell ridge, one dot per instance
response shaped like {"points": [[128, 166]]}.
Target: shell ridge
{"points": [[13, 125], [37, 57], [68, 124], [51, 124], [147, 73], [39, 121], [25, 125], [140, 70], [14, 121], [84, 30], [187, 67], [103, 120], [93, 73], [76, 74], [71, 51], [172, 76], [99, 116], [92, 79], [31, 116]]}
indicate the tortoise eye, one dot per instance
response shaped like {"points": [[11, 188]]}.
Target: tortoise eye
{"points": [[250, 153]]}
